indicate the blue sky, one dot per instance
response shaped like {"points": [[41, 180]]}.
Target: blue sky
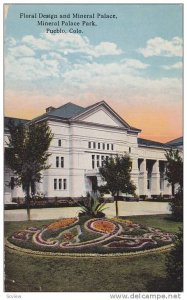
{"points": [[133, 62]]}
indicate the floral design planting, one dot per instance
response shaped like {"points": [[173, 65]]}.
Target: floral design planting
{"points": [[62, 223], [91, 236]]}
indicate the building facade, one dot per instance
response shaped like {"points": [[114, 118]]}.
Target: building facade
{"points": [[83, 139]]}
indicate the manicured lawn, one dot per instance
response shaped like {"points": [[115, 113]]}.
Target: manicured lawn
{"points": [[87, 274]]}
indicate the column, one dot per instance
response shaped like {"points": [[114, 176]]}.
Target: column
{"points": [[135, 174], [155, 179], [142, 177]]}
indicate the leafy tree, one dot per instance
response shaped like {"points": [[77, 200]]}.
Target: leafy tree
{"points": [[174, 264], [27, 155], [174, 169], [116, 173], [174, 175]]}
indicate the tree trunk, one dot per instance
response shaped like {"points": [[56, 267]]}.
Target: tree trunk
{"points": [[28, 202], [116, 200]]}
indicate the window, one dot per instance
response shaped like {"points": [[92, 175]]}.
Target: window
{"points": [[102, 160], [107, 157], [94, 145], [108, 146], [97, 161], [55, 184], [59, 143], [65, 184], [112, 147], [103, 146], [62, 162], [12, 183], [89, 144], [60, 184], [57, 161], [98, 145], [129, 149], [93, 161]]}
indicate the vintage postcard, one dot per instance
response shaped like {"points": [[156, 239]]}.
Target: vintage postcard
{"points": [[93, 143]]}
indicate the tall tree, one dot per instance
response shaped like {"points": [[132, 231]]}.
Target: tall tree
{"points": [[27, 155], [174, 169], [116, 173], [174, 175]]}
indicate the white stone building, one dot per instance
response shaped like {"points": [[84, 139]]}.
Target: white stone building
{"points": [[83, 138]]}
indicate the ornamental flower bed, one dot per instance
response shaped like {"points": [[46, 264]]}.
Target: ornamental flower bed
{"points": [[74, 235]]}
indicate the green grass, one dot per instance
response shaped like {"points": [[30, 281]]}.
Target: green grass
{"points": [[162, 222], [88, 274]]}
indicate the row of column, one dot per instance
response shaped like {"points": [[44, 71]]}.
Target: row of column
{"points": [[151, 177]]}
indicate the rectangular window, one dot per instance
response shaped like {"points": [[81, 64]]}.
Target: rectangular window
{"points": [[103, 146], [59, 143], [89, 144], [62, 162], [65, 184], [108, 146], [60, 184], [112, 147], [107, 157], [98, 145], [93, 161], [94, 145], [97, 161], [57, 161], [55, 184], [129, 149], [12, 183], [102, 160]]}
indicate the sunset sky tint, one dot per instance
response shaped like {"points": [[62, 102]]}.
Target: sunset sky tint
{"points": [[133, 62]]}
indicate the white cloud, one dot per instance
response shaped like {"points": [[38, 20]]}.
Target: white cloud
{"points": [[134, 64], [178, 65], [48, 55], [10, 42], [36, 43], [20, 51], [115, 81], [161, 47], [71, 43], [30, 68], [105, 48], [82, 76]]}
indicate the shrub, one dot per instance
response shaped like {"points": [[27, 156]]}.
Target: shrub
{"points": [[174, 264], [176, 207], [143, 197], [92, 206]]}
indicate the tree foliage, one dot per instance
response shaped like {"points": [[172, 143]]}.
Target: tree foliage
{"points": [[174, 264], [174, 168], [116, 174], [27, 153], [174, 175]]}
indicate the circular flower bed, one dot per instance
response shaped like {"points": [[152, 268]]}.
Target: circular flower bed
{"points": [[102, 236]]}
